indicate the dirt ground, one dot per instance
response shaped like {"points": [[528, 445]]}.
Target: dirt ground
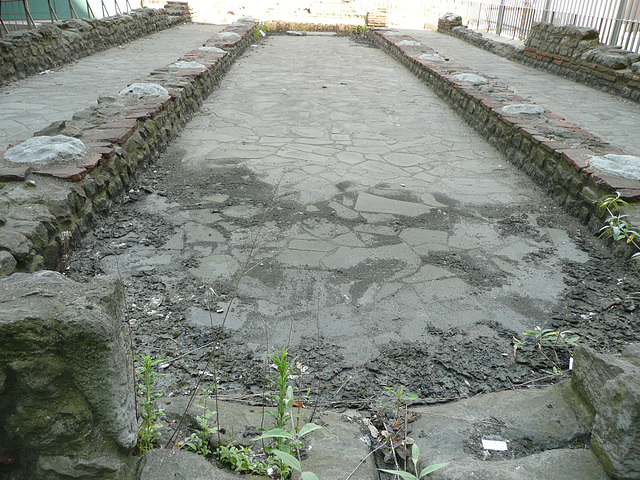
{"points": [[595, 303]]}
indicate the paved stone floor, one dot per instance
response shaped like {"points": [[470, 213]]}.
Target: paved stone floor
{"points": [[31, 104], [393, 220], [607, 116], [398, 247]]}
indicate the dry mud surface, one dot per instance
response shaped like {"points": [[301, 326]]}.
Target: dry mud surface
{"points": [[390, 244]]}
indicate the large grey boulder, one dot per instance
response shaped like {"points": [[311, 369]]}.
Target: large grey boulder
{"points": [[67, 403]]}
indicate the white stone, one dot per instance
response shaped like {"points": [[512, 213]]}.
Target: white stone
{"points": [[47, 150], [229, 36], [623, 165], [144, 90], [432, 57], [470, 78], [523, 109], [211, 49], [393, 34], [409, 43], [187, 65]]}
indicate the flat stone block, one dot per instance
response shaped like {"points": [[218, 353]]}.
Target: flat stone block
{"points": [[13, 173], [578, 157], [68, 173], [376, 204]]}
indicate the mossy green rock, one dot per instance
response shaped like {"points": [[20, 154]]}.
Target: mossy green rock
{"points": [[67, 406]]}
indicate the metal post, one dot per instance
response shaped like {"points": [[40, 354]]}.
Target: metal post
{"points": [[72, 11], [52, 12], [104, 9], [90, 13], [545, 12], [3, 28], [27, 15], [500, 18], [615, 31]]}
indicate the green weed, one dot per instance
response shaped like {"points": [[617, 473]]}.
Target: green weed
{"points": [[150, 428], [415, 457], [286, 435], [617, 225], [198, 441], [244, 460]]}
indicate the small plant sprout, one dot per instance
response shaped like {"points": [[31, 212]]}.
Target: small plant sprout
{"points": [[401, 398], [553, 338], [415, 457], [198, 441], [617, 225], [279, 383], [288, 439], [547, 338], [150, 428], [360, 29], [618, 228], [286, 434]]}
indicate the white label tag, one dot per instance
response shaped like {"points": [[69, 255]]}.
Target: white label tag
{"points": [[571, 363], [494, 445]]}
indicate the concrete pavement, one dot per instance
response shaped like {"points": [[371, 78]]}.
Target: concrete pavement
{"points": [[29, 105]]}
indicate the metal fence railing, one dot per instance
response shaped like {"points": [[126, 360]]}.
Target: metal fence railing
{"points": [[24, 14], [617, 21]]}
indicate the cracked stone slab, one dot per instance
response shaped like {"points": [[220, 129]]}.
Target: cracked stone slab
{"points": [[229, 36], [212, 49], [453, 433], [376, 204], [347, 257]]}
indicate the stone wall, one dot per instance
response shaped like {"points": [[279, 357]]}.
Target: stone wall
{"points": [[568, 51], [449, 21], [67, 400], [29, 52], [554, 152], [44, 207], [575, 52]]}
